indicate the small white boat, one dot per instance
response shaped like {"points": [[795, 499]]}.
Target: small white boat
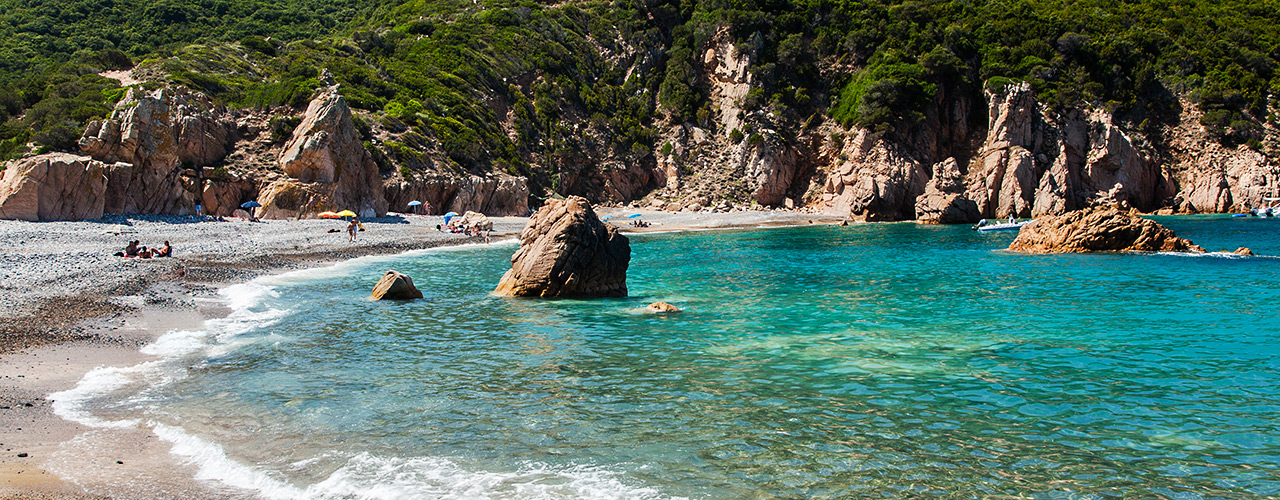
{"points": [[1012, 224], [1267, 211]]}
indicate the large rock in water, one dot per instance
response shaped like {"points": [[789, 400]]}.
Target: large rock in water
{"points": [[1098, 230], [395, 286], [327, 165], [565, 251], [944, 200], [54, 186]]}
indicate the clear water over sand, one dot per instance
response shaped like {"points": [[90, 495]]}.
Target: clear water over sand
{"points": [[820, 362]]}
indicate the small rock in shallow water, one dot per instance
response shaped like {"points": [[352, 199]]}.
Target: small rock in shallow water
{"points": [[662, 307]]}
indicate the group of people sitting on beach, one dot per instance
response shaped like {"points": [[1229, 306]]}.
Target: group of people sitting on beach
{"points": [[467, 230], [639, 223], [141, 252]]}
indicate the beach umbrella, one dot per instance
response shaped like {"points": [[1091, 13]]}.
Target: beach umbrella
{"points": [[250, 204], [415, 203], [607, 217], [328, 215], [346, 213], [632, 216], [449, 215]]}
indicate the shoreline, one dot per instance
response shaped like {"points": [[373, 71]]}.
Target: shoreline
{"points": [[104, 319]]}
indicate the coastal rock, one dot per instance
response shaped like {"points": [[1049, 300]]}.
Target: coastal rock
{"points": [[1098, 230], [223, 195], [395, 286], [565, 251], [54, 186], [1037, 162], [662, 307], [498, 194], [877, 181], [325, 159], [163, 137], [1245, 251], [944, 200]]}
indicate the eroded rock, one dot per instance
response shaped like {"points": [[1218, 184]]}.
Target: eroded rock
{"points": [[395, 286], [54, 186], [327, 165], [565, 251], [1098, 230]]}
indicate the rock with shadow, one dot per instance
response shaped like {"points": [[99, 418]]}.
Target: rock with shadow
{"points": [[565, 251]]}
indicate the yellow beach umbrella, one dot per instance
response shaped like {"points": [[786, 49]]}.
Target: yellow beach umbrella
{"points": [[346, 213]]}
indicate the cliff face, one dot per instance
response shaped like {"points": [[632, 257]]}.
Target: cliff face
{"points": [[157, 141]]}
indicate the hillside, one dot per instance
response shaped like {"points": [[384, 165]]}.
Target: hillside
{"points": [[864, 107]]}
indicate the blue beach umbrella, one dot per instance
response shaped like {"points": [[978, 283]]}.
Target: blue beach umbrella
{"points": [[449, 215], [415, 203], [607, 217], [250, 204], [632, 216]]}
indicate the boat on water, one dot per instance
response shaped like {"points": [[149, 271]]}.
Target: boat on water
{"points": [[1012, 224], [1266, 211]]}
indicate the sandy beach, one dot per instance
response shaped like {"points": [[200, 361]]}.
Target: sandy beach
{"points": [[67, 306]]}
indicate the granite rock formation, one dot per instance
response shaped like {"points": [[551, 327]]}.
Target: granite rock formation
{"points": [[875, 181], [54, 186], [327, 166], [395, 286], [565, 251], [1098, 230], [944, 200], [158, 142], [499, 194]]}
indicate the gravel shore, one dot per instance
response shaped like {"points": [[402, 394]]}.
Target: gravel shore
{"points": [[68, 305]]}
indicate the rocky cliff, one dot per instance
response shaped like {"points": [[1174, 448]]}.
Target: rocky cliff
{"points": [[327, 168], [157, 142], [54, 186]]}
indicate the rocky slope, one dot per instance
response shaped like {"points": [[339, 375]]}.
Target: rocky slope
{"points": [[169, 150]]}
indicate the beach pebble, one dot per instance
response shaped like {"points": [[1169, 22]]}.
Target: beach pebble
{"points": [[22, 455]]}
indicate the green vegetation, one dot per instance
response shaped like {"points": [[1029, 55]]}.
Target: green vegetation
{"points": [[534, 88]]}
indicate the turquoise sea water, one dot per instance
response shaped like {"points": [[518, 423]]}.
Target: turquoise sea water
{"points": [[880, 360]]}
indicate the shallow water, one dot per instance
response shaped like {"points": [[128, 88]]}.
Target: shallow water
{"points": [[888, 360]]}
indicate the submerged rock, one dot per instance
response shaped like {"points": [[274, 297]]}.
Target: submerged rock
{"points": [[565, 251], [662, 307], [395, 286], [1098, 230]]}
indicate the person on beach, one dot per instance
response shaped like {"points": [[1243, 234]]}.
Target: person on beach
{"points": [[427, 208], [352, 228], [132, 249], [167, 251]]}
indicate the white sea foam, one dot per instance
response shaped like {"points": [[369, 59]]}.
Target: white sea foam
{"points": [[369, 477], [71, 403]]}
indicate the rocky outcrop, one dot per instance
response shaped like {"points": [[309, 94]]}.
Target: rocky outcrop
{"points": [[164, 137], [565, 251], [1098, 230], [1210, 177], [223, 195], [875, 181], [944, 200], [54, 186], [395, 286], [327, 166], [499, 194]]}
